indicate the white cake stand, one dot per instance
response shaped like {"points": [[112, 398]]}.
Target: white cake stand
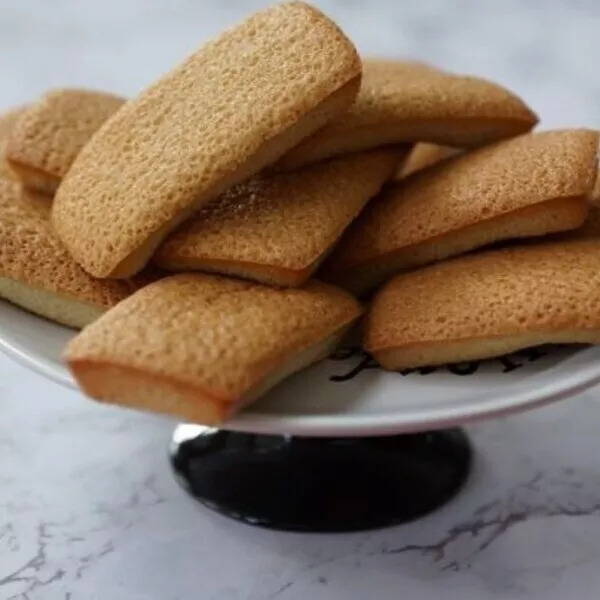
{"points": [[340, 446]]}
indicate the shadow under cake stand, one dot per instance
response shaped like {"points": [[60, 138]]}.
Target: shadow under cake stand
{"points": [[344, 445]]}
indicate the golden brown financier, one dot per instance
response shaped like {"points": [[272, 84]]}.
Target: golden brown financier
{"points": [[200, 347], [276, 229], [49, 135], [408, 101], [528, 186], [486, 305], [36, 271], [230, 109]]}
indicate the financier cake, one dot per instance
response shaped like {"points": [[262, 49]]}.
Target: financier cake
{"points": [[201, 346], [52, 131], [230, 109], [528, 186], [405, 101], [486, 305], [277, 228], [36, 271]]}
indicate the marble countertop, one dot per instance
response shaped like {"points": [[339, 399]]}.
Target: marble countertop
{"points": [[88, 505]]}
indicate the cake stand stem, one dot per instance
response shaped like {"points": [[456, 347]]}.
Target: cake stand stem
{"points": [[320, 484]]}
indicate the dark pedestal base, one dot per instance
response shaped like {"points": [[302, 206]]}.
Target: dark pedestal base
{"points": [[320, 484]]}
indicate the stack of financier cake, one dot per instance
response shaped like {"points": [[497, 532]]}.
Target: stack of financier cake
{"points": [[290, 179]]}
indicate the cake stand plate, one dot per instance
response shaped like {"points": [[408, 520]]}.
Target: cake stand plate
{"points": [[343, 445]]}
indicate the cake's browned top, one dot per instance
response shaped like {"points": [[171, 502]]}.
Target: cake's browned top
{"points": [[52, 131], [421, 103], [393, 90], [179, 141], [470, 188], [219, 335], [545, 287], [287, 220]]}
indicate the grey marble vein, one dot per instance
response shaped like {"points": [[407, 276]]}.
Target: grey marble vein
{"points": [[526, 501], [30, 573]]}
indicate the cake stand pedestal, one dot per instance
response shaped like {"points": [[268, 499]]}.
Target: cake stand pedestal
{"points": [[320, 484]]}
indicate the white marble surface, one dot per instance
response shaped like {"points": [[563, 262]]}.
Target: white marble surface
{"points": [[88, 506]]}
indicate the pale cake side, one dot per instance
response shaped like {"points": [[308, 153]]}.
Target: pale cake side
{"points": [[230, 109], [277, 228], [200, 347], [451, 206], [406, 101], [49, 135], [487, 304]]}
